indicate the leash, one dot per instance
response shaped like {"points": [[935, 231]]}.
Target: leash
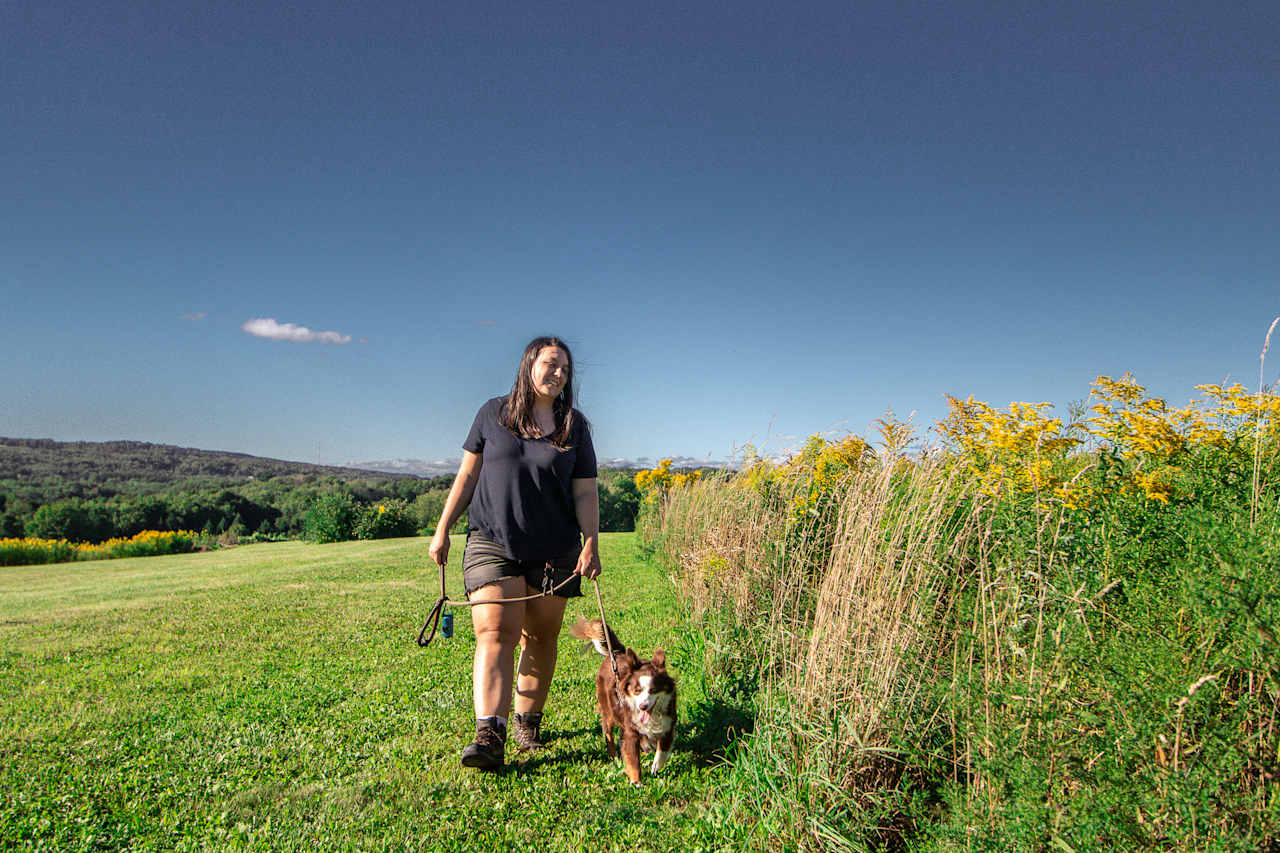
{"points": [[608, 643], [433, 618]]}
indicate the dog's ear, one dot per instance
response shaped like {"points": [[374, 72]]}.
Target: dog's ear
{"points": [[631, 659], [659, 658]]}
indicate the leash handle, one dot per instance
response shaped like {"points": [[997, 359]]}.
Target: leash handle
{"points": [[425, 636], [433, 622], [433, 618]]}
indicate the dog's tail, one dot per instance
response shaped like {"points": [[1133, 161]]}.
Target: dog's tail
{"points": [[593, 632]]}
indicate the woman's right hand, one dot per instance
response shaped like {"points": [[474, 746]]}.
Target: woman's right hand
{"points": [[439, 549]]}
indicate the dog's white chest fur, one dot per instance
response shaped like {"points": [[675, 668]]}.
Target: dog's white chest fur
{"points": [[658, 724], [650, 712]]}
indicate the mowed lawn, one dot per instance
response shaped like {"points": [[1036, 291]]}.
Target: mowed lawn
{"points": [[272, 697]]}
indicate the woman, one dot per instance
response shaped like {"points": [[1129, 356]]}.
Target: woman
{"points": [[529, 474]]}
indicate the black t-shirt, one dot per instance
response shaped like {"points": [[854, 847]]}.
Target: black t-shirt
{"points": [[524, 497]]}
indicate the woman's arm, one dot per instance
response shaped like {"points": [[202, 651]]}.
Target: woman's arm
{"points": [[586, 503], [464, 486]]}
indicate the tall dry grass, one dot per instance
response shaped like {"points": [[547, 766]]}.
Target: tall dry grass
{"points": [[882, 597], [845, 610]]}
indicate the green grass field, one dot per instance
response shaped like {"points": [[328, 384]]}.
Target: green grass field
{"points": [[272, 697]]}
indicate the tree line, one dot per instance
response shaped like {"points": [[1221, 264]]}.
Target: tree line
{"points": [[275, 508]]}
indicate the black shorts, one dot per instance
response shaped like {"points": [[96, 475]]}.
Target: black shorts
{"points": [[485, 561]]}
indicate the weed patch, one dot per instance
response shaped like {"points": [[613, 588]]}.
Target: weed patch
{"points": [[1036, 634]]}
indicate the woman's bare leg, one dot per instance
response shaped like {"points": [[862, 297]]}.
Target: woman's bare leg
{"points": [[539, 642], [497, 628]]}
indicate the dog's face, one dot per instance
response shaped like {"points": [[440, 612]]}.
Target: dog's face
{"points": [[647, 690]]}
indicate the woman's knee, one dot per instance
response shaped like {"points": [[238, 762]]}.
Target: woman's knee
{"points": [[497, 625], [538, 659], [542, 623], [539, 637], [497, 630], [498, 633]]}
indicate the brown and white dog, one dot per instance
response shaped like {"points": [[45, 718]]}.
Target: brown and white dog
{"points": [[641, 701]]}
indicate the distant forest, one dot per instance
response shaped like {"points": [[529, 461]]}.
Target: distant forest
{"points": [[93, 491]]}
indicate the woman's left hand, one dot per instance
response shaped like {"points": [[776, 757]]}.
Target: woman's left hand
{"points": [[588, 564]]}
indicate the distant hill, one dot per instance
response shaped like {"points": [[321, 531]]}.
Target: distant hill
{"points": [[146, 461], [133, 467], [41, 469], [116, 488]]}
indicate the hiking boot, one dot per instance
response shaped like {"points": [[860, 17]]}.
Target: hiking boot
{"points": [[488, 750], [526, 731]]}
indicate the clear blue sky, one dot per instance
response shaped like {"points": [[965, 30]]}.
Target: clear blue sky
{"points": [[749, 220]]}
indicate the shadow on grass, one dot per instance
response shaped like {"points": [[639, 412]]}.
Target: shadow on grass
{"points": [[712, 727], [708, 732], [527, 763], [568, 734]]}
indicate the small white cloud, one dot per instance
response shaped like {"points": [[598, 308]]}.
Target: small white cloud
{"points": [[267, 327]]}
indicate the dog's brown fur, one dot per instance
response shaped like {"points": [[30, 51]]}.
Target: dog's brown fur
{"points": [[623, 700]]}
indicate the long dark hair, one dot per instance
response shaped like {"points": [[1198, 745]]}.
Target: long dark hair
{"points": [[517, 412]]}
